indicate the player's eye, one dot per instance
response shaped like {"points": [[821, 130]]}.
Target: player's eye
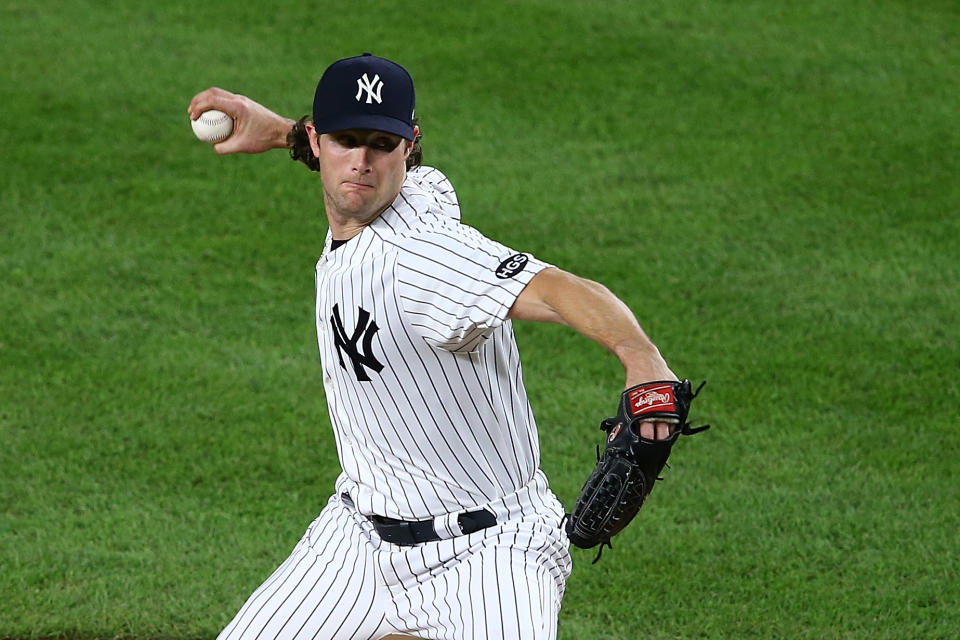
{"points": [[347, 140], [383, 143]]}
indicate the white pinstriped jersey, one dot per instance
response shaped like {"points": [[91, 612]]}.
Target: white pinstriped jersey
{"points": [[420, 366]]}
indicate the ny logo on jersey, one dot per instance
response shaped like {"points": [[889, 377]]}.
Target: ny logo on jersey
{"points": [[366, 84], [366, 328]]}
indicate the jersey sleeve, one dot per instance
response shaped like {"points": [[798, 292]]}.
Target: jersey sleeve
{"points": [[456, 286]]}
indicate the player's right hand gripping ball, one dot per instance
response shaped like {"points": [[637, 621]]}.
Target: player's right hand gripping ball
{"points": [[212, 126], [630, 464]]}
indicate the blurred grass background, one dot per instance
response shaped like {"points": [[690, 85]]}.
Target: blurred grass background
{"points": [[771, 186]]}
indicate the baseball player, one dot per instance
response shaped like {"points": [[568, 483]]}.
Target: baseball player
{"points": [[442, 524]]}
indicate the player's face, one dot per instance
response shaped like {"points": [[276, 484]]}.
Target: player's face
{"points": [[361, 170]]}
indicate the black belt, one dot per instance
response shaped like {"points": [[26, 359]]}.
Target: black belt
{"points": [[408, 533]]}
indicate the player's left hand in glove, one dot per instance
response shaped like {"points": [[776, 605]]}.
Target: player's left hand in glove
{"points": [[631, 463]]}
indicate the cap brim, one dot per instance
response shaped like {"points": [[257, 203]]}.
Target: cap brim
{"points": [[366, 121]]}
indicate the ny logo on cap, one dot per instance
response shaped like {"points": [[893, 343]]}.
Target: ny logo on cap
{"points": [[366, 84]]}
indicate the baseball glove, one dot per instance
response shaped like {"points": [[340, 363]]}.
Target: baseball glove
{"points": [[630, 464]]}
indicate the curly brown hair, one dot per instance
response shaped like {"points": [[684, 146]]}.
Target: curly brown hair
{"points": [[299, 144]]}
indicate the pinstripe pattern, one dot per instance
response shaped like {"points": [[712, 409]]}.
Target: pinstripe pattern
{"points": [[329, 587], [446, 424], [343, 583], [425, 391], [505, 582]]}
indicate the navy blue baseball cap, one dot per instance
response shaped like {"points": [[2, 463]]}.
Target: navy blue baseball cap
{"points": [[365, 92]]}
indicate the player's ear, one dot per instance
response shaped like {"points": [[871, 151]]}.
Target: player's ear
{"points": [[411, 143], [313, 138]]}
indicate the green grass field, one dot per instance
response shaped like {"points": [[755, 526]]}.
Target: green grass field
{"points": [[771, 186]]}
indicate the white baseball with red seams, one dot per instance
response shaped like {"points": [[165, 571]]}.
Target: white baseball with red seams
{"points": [[212, 126]]}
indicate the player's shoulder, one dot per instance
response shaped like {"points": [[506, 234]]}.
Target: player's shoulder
{"points": [[433, 225], [423, 220], [426, 175], [429, 188], [432, 233]]}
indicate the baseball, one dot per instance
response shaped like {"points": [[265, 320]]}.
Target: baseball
{"points": [[212, 126]]}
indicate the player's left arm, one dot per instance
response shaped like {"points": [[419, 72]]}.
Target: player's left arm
{"points": [[557, 296]]}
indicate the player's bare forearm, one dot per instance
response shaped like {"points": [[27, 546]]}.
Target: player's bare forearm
{"points": [[256, 129], [591, 309]]}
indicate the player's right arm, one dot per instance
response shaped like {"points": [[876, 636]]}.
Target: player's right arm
{"points": [[557, 296], [255, 128]]}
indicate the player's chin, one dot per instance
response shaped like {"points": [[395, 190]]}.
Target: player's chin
{"points": [[357, 207]]}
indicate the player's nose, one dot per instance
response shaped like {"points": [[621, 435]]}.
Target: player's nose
{"points": [[360, 158]]}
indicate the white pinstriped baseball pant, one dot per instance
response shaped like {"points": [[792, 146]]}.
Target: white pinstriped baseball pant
{"points": [[342, 582]]}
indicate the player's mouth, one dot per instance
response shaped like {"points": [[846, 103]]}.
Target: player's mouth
{"points": [[358, 185]]}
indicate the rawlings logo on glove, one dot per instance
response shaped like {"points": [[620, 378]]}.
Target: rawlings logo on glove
{"points": [[630, 464], [643, 400]]}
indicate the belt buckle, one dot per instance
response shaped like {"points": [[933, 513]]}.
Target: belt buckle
{"points": [[473, 521]]}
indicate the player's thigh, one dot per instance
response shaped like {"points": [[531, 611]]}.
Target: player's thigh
{"points": [[327, 588], [518, 593], [503, 587]]}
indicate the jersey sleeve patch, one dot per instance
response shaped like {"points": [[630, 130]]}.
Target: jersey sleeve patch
{"points": [[511, 266]]}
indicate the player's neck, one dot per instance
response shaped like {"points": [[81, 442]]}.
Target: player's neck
{"points": [[344, 227], [346, 230]]}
